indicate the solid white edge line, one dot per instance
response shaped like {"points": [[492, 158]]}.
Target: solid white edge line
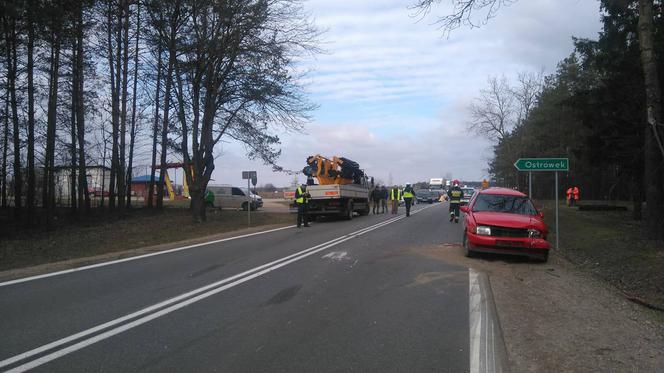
{"points": [[176, 299], [103, 264]]}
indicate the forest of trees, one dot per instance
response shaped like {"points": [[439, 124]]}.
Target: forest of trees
{"points": [[601, 108], [117, 82]]}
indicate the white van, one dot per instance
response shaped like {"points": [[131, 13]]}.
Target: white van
{"points": [[227, 196]]}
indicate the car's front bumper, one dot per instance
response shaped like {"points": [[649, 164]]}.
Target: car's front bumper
{"points": [[531, 247]]}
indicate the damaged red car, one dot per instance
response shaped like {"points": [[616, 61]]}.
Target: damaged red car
{"points": [[504, 221]]}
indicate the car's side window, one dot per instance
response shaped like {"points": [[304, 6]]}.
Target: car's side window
{"points": [[237, 192]]}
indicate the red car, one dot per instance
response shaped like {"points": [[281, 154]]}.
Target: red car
{"points": [[504, 221]]}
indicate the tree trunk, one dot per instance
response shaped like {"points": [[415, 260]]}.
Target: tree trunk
{"points": [[72, 151], [5, 143], [124, 57], [114, 107], [198, 206], [51, 123], [654, 156], [167, 103], [155, 130], [132, 134], [83, 193], [31, 115], [11, 40]]}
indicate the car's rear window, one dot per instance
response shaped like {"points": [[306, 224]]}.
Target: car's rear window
{"points": [[507, 204]]}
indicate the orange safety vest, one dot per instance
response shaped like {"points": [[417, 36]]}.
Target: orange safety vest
{"points": [[576, 193], [569, 193]]}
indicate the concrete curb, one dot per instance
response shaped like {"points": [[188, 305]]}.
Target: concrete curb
{"points": [[487, 346]]}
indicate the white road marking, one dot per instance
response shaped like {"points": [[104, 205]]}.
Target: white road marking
{"points": [[475, 318], [174, 304], [337, 255], [31, 278]]}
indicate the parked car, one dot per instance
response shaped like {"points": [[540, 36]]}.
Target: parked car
{"points": [[467, 195], [258, 200], [500, 220], [227, 196]]}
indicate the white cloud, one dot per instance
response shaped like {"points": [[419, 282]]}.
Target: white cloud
{"points": [[394, 92]]}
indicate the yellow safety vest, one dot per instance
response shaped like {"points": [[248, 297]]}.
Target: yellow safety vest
{"points": [[456, 196], [301, 194], [398, 194], [408, 195]]}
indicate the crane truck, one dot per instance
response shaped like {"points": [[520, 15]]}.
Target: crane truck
{"points": [[342, 189]]}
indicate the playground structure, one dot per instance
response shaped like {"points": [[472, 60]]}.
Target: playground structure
{"points": [[169, 185]]}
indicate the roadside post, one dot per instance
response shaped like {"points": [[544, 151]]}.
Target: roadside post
{"points": [[249, 176], [530, 184], [540, 165]]}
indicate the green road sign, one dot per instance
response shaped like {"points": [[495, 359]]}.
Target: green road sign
{"points": [[542, 164]]}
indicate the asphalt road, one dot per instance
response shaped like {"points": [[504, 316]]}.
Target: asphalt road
{"points": [[341, 296]]}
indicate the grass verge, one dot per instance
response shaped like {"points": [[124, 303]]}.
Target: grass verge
{"points": [[613, 247], [102, 234]]}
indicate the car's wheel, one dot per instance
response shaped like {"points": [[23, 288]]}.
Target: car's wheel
{"points": [[466, 247]]}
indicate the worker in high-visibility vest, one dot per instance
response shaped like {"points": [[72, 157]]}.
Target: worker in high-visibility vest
{"points": [[455, 194], [570, 196], [302, 201], [395, 197], [408, 197]]}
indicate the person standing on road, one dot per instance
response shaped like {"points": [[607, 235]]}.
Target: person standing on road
{"points": [[576, 192], [455, 194], [302, 200], [375, 199], [395, 197], [384, 195], [570, 201], [408, 196]]}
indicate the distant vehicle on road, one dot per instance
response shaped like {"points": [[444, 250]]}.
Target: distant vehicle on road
{"points": [[426, 196], [234, 197], [467, 195], [500, 220]]}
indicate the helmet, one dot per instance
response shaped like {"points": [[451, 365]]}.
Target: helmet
{"points": [[407, 183], [456, 182]]}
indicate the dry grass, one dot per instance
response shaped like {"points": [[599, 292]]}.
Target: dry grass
{"points": [[101, 234], [613, 247]]}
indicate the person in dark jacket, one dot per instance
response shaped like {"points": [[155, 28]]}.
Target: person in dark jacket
{"points": [[455, 194], [408, 197], [376, 196], [384, 195]]}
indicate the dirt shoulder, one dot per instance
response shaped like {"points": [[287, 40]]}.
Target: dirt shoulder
{"points": [[612, 247], [101, 238], [557, 318]]}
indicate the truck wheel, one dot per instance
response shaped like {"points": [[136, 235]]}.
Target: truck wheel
{"points": [[349, 211]]}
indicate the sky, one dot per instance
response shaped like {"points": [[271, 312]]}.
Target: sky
{"points": [[393, 91]]}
